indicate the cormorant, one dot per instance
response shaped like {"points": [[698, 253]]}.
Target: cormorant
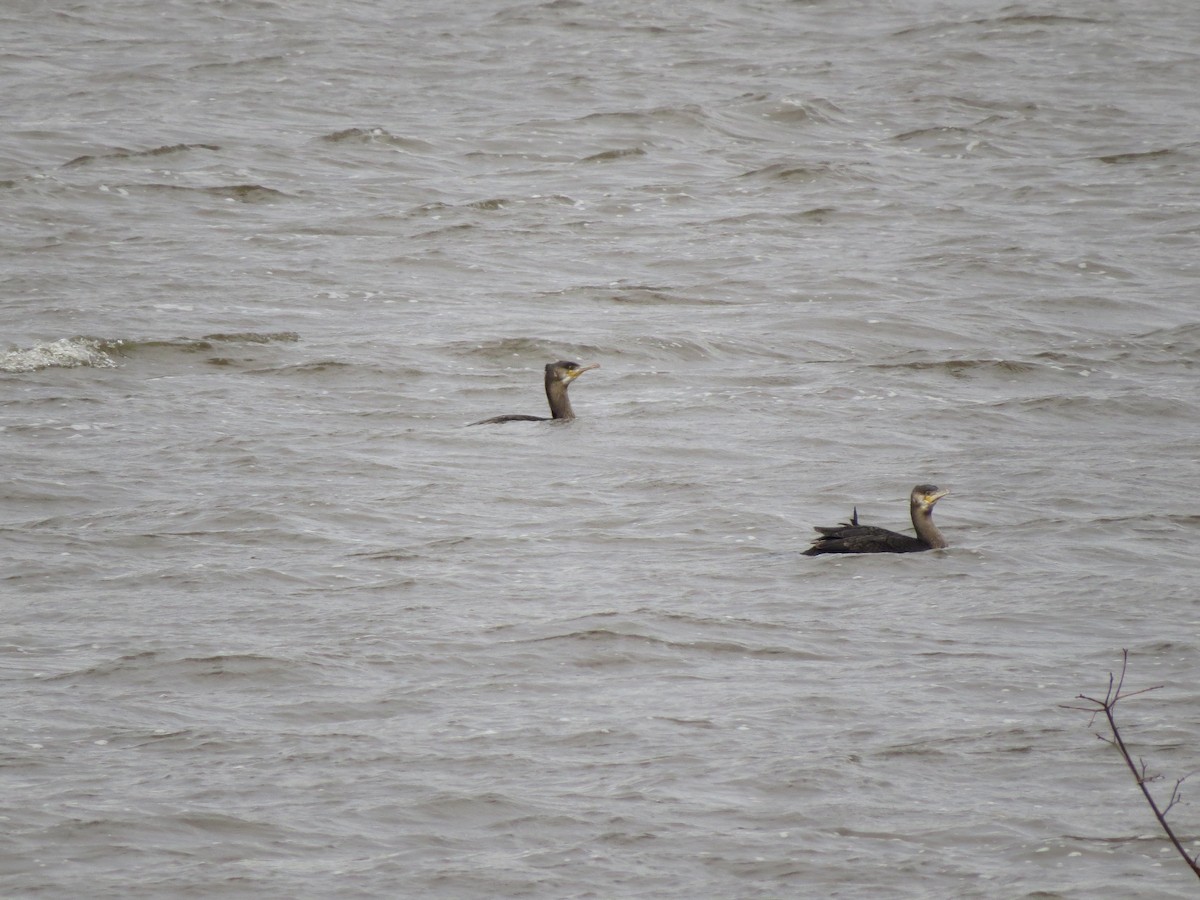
{"points": [[850, 537], [559, 376]]}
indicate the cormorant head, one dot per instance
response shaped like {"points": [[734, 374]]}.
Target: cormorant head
{"points": [[566, 371], [925, 495]]}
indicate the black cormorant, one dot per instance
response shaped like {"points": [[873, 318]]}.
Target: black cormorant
{"points": [[559, 376], [850, 537]]}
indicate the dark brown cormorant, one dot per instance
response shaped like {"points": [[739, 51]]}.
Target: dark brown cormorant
{"points": [[559, 376], [850, 537]]}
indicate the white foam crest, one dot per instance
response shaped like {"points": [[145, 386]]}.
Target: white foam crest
{"points": [[65, 353]]}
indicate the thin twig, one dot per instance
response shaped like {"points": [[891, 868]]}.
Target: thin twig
{"points": [[1108, 706]]}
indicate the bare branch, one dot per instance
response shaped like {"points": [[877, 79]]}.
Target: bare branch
{"points": [[1174, 799], [1107, 706]]}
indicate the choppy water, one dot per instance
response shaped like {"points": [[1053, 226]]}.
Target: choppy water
{"points": [[277, 624]]}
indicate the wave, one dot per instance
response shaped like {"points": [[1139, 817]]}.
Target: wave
{"points": [[623, 646], [101, 353], [808, 173], [160, 665], [1134, 156], [244, 193], [963, 366], [535, 350], [634, 294], [67, 353], [135, 154], [609, 155], [380, 136]]}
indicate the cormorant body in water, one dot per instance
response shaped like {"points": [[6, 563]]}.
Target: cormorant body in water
{"points": [[559, 376], [850, 537]]}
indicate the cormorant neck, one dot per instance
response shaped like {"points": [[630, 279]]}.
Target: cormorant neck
{"points": [[922, 520], [556, 393]]}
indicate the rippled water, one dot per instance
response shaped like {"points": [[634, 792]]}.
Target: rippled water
{"points": [[278, 624]]}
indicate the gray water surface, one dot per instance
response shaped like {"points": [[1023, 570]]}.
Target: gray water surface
{"points": [[278, 625]]}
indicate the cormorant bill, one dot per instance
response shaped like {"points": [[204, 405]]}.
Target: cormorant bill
{"points": [[559, 376], [850, 537]]}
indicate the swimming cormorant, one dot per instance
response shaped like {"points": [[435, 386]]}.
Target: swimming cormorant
{"points": [[850, 537], [559, 376]]}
